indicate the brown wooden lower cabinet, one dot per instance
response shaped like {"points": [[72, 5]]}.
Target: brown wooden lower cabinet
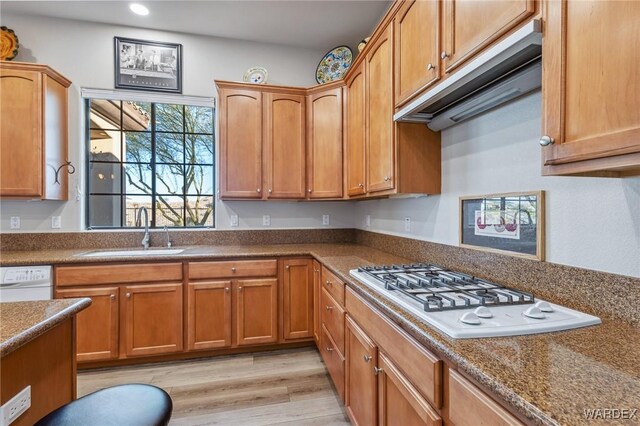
{"points": [[469, 406], [152, 315], [399, 402], [317, 286], [209, 315], [97, 327], [256, 311], [360, 376], [333, 360], [297, 299]]}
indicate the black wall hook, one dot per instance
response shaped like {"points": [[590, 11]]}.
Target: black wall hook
{"points": [[71, 170]]}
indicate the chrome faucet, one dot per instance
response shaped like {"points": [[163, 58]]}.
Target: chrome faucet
{"points": [[145, 239], [166, 230]]}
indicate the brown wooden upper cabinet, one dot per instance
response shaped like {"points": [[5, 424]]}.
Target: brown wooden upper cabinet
{"points": [[468, 26], [417, 49], [379, 119], [324, 142], [240, 143], [297, 299], [356, 154], [33, 132], [591, 88], [284, 141]]}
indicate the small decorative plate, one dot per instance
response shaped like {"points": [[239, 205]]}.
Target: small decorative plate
{"points": [[256, 75], [8, 44], [334, 65]]}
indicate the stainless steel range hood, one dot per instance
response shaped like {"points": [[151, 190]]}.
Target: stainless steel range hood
{"points": [[505, 71]]}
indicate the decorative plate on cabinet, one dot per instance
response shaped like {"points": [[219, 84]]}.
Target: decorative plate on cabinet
{"points": [[334, 65], [8, 44], [256, 75]]}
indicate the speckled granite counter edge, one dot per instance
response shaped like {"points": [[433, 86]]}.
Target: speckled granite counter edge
{"points": [[31, 333]]}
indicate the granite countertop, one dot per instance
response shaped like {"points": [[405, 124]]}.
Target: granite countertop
{"points": [[549, 378], [21, 322]]}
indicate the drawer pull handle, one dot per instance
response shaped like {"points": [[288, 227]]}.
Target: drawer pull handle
{"points": [[329, 349], [233, 269], [329, 282], [329, 308], [377, 370], [367, 358]]}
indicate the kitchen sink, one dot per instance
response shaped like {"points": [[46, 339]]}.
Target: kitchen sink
{"points": [[149, 252]]}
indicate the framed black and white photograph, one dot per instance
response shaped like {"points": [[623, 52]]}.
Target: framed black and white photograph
{"points": [[148, 65], [511, 223]]}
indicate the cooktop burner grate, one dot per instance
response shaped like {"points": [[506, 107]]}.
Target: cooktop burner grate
{"points": [[438, 289]]}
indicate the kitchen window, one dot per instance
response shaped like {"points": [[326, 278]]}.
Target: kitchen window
{"points": [[157, 155]]}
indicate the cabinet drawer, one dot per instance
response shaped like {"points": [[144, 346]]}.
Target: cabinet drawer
{"points": [[333, 285], [233, 268], [109, 274], [333, 360], [403, 349], [469, 406], [333, 319]]}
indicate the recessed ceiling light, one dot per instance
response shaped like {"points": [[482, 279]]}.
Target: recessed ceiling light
{"points": [[139, 9]]}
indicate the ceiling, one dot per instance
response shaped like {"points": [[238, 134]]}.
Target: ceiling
{"points": [[304, 23]]}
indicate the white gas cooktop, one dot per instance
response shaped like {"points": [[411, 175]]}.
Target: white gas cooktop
{"points": [[463, 306]]}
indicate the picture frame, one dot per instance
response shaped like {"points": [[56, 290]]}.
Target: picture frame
{"points": [[147, 65], [509, 223]]}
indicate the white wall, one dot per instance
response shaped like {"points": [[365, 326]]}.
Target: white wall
{"points": [[83, 52], [590, 222]]}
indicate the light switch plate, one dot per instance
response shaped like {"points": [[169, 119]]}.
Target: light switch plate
{"points": [[14, 408], [266, 220], [407, 224], [15, 222], [233, 220], [56, 222], [325, 219]]}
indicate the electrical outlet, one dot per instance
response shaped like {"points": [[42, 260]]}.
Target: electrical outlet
{"points": [[233, 220], [325, 219], [407, 224], [16, 406], [56, 222], [15, 222], [266, 220], [367, 220]]}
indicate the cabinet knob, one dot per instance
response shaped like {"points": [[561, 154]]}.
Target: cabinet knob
{"points": [[239, 288], [233, 269], [361, 185], [309, 190], [328, 282], [329, 308], [316, 270], [377, 370], [387, 178], [258, 190], [270, 190], [430, 66], [367, 358], [444, 55], [329, 349], [128, 295], [226, 289], [286, 267], [113, 297], [546, 140]]}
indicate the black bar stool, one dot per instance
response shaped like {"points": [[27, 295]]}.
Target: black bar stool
{"points": [[134, 404]]}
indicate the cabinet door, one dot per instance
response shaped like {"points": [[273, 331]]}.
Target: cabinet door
{"points": [[297, 297], [21, 135], [470, 25], [399, 402], [96, 326], [417, 28], [257, 311], [379, 92], [284, 138], [152, 319], [591, 93], [240, 144], [324, 144], [316, 301], [356, 133], [209, 315], [360, 365]]}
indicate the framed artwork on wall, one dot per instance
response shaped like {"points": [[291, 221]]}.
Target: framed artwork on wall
{"points": [[510, 223], [148, 65]]}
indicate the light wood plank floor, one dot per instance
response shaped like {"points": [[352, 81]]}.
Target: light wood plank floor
{"points": [[289, 387]]}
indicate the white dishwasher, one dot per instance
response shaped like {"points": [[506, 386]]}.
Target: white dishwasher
{"points": [[24, 283]]}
